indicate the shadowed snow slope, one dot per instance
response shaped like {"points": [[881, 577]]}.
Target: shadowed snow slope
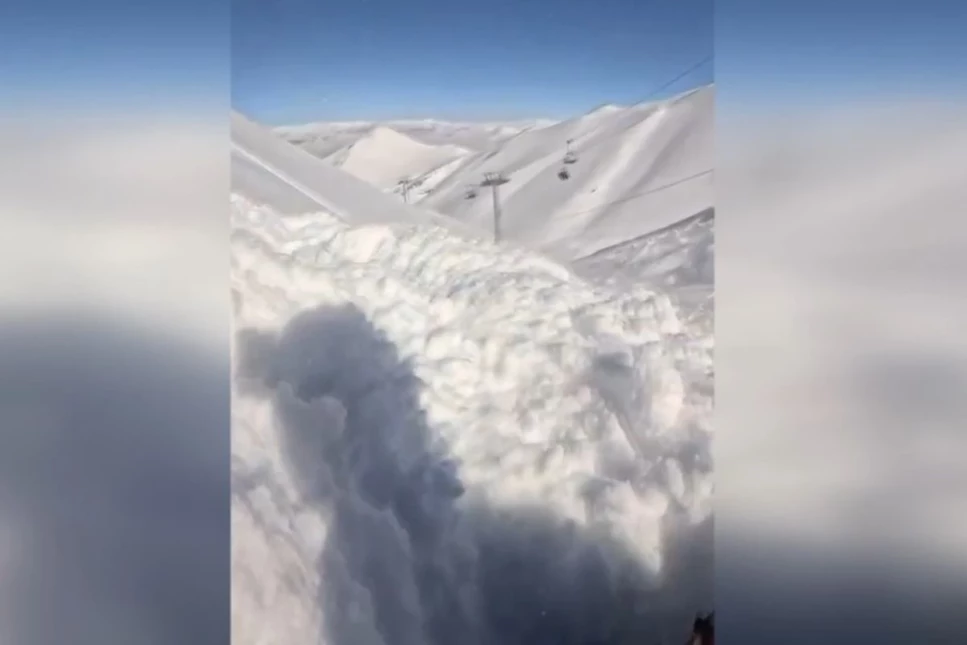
{"points": [[437, 440], [639, 169]]}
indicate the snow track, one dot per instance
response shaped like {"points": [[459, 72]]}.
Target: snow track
{"points": [[438, 440]]}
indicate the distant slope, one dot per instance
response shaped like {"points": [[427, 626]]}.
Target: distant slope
{"points": [[323, 139], [475, 136], [268, 170], [640, 168], [383, 156]]}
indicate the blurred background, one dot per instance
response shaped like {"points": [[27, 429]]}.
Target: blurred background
{"points": [[840, 358], [840, 453], [114, 316]]}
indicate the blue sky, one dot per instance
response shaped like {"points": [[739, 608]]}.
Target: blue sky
{"points": [[298, 60], [109, 56], [811, 55], [303, 60]]}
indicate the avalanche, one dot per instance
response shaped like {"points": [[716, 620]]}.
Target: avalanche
{"points": [[439, 440]]}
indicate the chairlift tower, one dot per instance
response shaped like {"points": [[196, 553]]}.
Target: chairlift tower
{"points": [[403, 188], [495, 180], [404, 185]]}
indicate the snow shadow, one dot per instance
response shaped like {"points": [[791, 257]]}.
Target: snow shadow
{"points": [[412, 557], [114, 485]]}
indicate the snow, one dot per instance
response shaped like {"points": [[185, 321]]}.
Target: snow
{"points": [[268, 169], [324, 138], [384, 156], [679, 260], [440, 439], [640, 168]]}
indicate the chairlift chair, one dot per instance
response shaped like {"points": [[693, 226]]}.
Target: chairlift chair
{"points": [[569, 156]]}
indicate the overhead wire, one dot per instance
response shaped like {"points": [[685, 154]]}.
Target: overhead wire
{"points": [[634, 196], [708, 58], [644, 193]]}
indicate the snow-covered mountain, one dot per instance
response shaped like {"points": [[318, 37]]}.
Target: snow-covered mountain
{"points": [[384, 156], [636, 169], [441, 439], [324, 138], [268, 170]]}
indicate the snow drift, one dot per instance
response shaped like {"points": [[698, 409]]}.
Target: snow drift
{"points": [[438, 440]]}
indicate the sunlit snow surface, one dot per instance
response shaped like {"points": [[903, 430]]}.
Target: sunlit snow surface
{"points": [[638, 169], [438, 440]]}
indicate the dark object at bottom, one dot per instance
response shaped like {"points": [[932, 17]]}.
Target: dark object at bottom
{"points": [[703, 630]]}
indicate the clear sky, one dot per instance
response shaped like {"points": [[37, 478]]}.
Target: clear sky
{"points": [[812, 54], [303, 60], [300, 60], [109, 56]]}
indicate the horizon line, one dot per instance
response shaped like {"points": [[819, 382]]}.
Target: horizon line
{"points": [[475, 121]]}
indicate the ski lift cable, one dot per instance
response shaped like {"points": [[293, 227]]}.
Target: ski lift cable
{"points": [[680, 76], [634, 196], [708, 58]]}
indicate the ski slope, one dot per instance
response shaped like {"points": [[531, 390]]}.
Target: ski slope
{"points": [[384, 156], [639, 169], [267, 169], [437, 439]]}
